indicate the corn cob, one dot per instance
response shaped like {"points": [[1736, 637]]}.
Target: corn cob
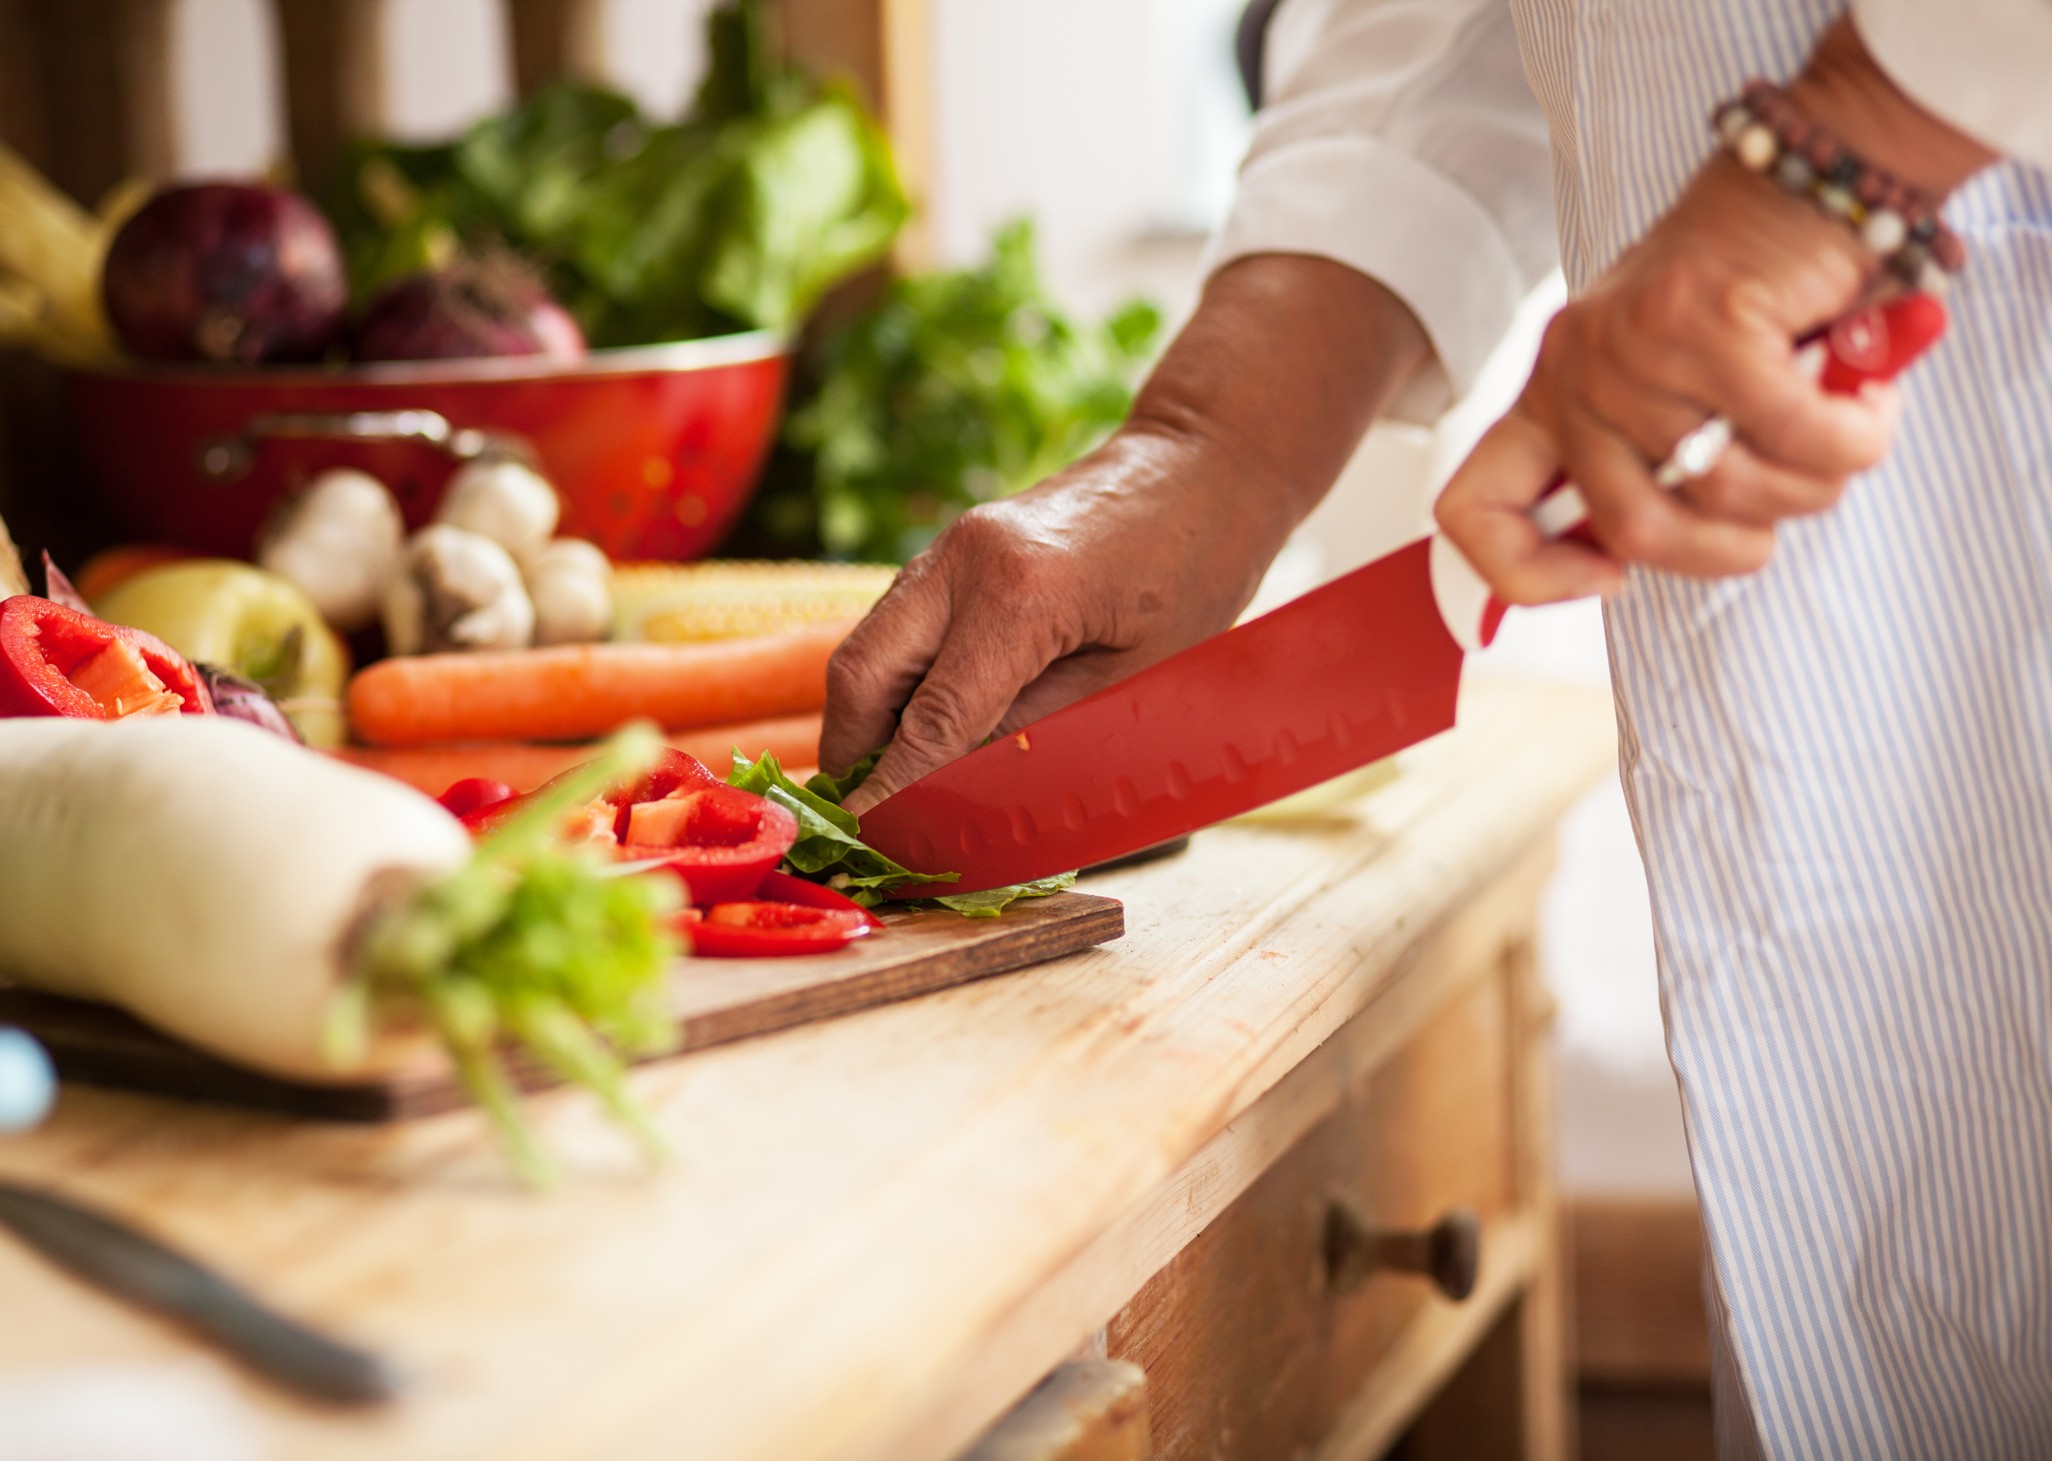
{"points": [[669, 603]]}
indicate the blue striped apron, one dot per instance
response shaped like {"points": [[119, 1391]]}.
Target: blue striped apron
{"points": [[1841, 774]]}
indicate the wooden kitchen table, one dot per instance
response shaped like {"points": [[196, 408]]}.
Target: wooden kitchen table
{"points": [[878, 1233]]}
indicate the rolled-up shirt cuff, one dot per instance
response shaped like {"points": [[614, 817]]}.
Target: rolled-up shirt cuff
{"points": [[1985, 66], [1364, 204]]}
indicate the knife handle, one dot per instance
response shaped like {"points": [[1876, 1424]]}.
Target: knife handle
{"points": [[1876, 343]]}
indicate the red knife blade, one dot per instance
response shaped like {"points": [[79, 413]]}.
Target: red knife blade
{"points": [[1349, 673], [1345, 675]]}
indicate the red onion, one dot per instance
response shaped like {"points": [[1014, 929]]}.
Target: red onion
{"points": [[225, 272], [244, 699], [467, 311]]}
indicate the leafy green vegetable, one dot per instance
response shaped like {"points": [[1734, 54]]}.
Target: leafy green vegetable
{"points": [[740, 216], [956, 389], [531, 943], [828, 849], [829, 842], [992, 901], [836, 789]]}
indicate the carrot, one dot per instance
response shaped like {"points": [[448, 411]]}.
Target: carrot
{"points": [[575, 691], [524, 765]]}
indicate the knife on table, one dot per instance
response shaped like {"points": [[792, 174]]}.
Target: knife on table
{"points": [[135, 1267], [1347, 674]]}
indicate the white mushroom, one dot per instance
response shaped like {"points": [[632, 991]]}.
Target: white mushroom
{"points": [[571, 583], [456, 590], [339, 541], [504, 500]]}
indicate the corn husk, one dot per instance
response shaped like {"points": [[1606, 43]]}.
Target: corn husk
{"points": [[51, 252], [13, 576]]}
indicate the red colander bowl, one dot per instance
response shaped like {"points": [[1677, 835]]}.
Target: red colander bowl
{"points": [[654, 450]]}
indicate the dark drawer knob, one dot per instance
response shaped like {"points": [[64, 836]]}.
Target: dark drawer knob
{"points": [[1449, 1252]]}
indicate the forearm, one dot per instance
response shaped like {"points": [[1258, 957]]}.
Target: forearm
{"points": [[1845, 90], [1270, 386]]}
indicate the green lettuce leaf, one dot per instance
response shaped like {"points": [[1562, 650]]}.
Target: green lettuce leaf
{"points": [[992, 901], [829, 849]]}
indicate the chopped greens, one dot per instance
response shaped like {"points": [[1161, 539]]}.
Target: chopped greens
{"points": [[830, 850], [740, 216]]}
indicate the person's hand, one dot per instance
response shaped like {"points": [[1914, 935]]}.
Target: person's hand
{"points": [[1153, 542], [1024, 605], [1700, 318]]}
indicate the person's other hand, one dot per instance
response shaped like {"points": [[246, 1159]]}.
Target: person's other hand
{"points": [[1153, 542], [1700, 318]]}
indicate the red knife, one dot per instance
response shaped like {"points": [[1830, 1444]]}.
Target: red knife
{"points": [[1347, 674]]}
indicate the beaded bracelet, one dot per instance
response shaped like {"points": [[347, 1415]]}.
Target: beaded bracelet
{"points": [[1768, 134]]}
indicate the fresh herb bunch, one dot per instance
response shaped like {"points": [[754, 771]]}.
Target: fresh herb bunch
{"points": [[957, 388], [740, 216]]}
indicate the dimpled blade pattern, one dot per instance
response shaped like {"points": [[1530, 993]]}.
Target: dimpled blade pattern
{"points": [[1347, 674]]}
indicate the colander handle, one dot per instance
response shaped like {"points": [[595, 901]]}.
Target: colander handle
{"points": [[225, 458]]}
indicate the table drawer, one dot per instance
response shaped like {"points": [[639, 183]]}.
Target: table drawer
{"points": [[1249, 1350]]}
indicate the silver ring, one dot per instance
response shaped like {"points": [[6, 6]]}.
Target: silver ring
{"points": [[1695, 455]]}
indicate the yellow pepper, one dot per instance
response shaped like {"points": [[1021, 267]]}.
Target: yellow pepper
{"points": [[237, 617]]}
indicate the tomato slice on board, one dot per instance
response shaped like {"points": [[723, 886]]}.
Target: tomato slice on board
{"points": [[475, 794], [757, 930]]}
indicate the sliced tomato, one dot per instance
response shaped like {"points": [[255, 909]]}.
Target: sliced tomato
{"points": [[475, 794], [757, 930]]}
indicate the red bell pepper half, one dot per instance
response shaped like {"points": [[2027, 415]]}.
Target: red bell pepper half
{"points": [[754, 930], [55, 660]]}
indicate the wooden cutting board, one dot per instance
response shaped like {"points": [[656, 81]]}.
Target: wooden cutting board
{"points": [[717, 1000]]}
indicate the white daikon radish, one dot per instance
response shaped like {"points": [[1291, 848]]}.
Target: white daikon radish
{"points": [[296, 915]]}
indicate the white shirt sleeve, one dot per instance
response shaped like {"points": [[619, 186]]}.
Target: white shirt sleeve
{"points": [[1983, 65], [1399, 137]]}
